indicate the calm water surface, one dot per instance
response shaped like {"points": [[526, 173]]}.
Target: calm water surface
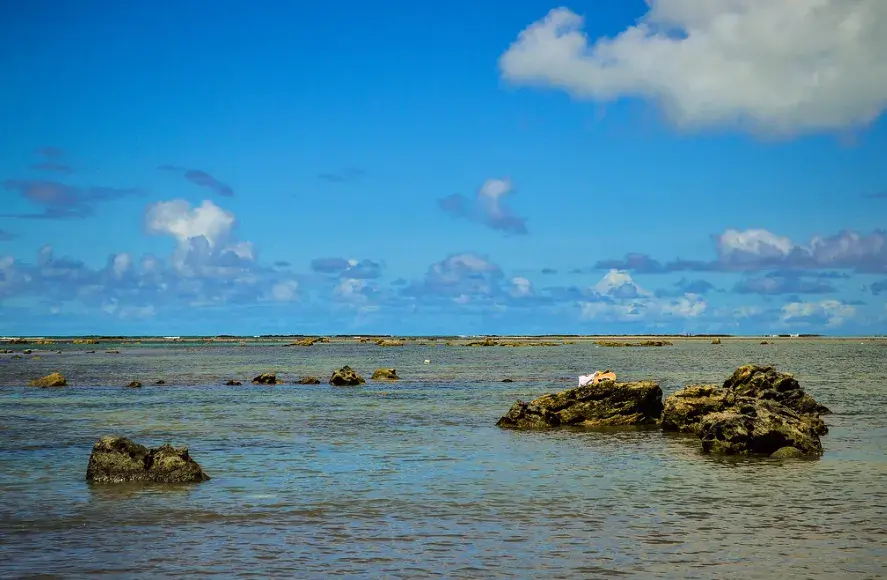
{"points": [[413, 479]]}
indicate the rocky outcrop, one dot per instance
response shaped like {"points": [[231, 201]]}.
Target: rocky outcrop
{"points": [[308, 381], [485, 342], [787, 453], [308, 341], [384, 342], [119, 460], [134, 385], [385, 375], [51, 380], [716, 341], [599, 405], [613, 343], [233, 383], [85, 341], [684, 409], [265, 379], [346, 377], [757, 426], [765, 382]]}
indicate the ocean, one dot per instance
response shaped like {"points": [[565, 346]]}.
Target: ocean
{"points": [[413, 479]]}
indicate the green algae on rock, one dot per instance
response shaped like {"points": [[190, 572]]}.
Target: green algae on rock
{"points": [[346, 377], [757, 426], [119, 460], [385, 375], [265, 379], [765, 382], [600, 405], [50, 380]]}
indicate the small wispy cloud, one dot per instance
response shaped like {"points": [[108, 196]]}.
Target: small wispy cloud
{"points": [[6, 236], [345, 175], [61, 201], [487, 208], [201, 178], [51, 160]]}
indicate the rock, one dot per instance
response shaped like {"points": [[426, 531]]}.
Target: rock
{"points": [[507, 380], [18, 341], [764, 342], [85, 341], [390, 342], [716, 341], [112, 352], [612, 343], [90, 352], [599, 405], [118, 460], [52, 380], [134, 385], [346, 377], [757, 426], [385, 375], [485, 342], [765, 382], [308, 341], [787, 453], [233, 383], [308, 381], [265, 379], [160, 382], [27, 351], [685, 408]]}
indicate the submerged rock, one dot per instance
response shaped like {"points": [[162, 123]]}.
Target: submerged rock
{"points": [[346, 377], [51, 380], [308, 381], [233, 383], [757, 426], [265, 379], [598, 405], [787, 453], [765, 382], [385, 375], [507, 380], [118, 460], [134, 385], [160, 382]]}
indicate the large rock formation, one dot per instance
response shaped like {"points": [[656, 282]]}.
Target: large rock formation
{"points": [[685, 408], [765, 382], [385, 375], [118, 460], [346, 377], [757, 426], [51, 380], [599, 405]]}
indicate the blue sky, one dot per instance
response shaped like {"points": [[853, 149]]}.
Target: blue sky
{"points": [[595, 167]]}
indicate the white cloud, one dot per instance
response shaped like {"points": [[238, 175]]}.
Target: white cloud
{"points": [[178, 219], [735, 245], [521, 287], [287, 291], [121, 265], [351, 290], [780, 66], [834, 312], [619, 284]]}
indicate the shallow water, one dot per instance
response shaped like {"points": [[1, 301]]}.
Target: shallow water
{"points": [[413, 479]]}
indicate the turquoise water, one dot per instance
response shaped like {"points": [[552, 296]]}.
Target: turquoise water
{"points": [[412, 479]]}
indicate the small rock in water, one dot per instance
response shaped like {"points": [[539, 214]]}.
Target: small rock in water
{"points": [[385, 375], [51, 380], [507, 380], [160, 382], [787, 453], [233, 383], [308, 381], [119, 460], [265, 379], [428, 362], [112, 352], [346, 377], [134, 385]]}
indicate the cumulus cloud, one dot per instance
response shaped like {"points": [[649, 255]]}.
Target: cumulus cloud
{"points": [[285, 291], [61, 201], [467, 274], [829, 312], [757, 249], [487, 208], [782, 283], [520, 287], [178, 219], [359, 269], [775, 67], [201, 178], [618, 298]]}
